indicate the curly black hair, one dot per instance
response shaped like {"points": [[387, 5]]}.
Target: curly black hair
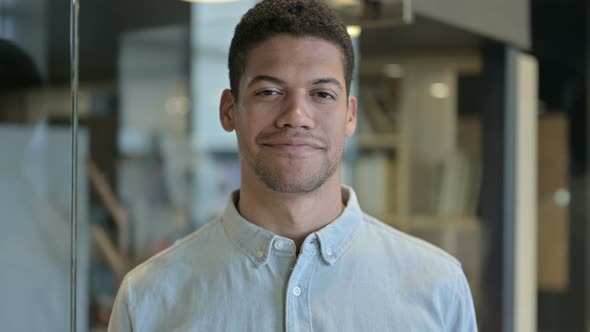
{"points": [[300, 18]]}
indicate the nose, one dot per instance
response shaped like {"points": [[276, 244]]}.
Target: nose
{"points": [[295, 114]]}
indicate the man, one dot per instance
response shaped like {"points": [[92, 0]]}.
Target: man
{"points": [[293, 251]]}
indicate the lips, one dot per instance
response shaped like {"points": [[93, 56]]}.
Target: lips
{"points": [[293, 143]]}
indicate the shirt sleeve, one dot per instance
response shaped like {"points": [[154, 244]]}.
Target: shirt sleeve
{"points": [[461, 312], [121, 320]]}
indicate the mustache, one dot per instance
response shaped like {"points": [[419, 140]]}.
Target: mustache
{"points": [[288, 133]]}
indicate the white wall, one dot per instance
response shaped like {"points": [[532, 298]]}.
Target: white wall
{"points": [[212, 27], [154, 86]]}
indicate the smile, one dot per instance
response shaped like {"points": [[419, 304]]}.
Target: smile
{"points": [[292, 148], [292, 144]]}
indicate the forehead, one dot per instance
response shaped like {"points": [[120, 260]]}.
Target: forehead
{"points": [[289, 55]]}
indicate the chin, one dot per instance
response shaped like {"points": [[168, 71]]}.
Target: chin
{"points": [[289, 187], [288, 175], [296, 181]]}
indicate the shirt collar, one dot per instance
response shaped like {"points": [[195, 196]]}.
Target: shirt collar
{"points": [[256, 241]]}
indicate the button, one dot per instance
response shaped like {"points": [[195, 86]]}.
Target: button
{"points": [[279, 245], [296, 291], [260, 253], [329, 251]]}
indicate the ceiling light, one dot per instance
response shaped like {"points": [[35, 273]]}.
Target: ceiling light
{"points": [[562, 197], [353, 30], [439, 90], [393, 70], [177, 105]]}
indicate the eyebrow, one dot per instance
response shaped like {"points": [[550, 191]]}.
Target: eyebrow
{"points": [[267, 78], [276, 80], [327, 80]]}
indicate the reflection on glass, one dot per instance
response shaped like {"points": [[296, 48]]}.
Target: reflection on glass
{"points": [[35, 180]]}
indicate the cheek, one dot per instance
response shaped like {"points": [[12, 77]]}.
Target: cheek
{"points": [[335, 132], [247, 129], [334, 128], [256, 119]]}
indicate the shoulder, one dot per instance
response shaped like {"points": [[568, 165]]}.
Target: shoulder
{"points": [[407, 251], [421, 270], [163, 280], [178, 261], [417, 270]]}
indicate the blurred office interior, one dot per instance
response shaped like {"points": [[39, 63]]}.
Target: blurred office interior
{"points": [[473, 135]]}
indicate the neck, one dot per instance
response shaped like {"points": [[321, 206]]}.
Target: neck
{"points": [[293, 216]]}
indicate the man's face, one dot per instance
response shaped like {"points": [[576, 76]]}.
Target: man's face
{"points": [[292, 114]]}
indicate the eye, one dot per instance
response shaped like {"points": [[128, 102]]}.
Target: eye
{"points": [[267, 92], [324, 95]]}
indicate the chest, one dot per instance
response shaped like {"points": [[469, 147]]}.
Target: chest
{"points": [[303, 294]]}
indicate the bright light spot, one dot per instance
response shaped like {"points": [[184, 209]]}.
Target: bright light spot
{"points": [[354, 30], [393, 70], [177, 105], [439, 90], [346, 2], [562, 197]]}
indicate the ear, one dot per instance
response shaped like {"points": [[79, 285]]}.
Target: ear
{"points": [[227, 114], [351, 116]]}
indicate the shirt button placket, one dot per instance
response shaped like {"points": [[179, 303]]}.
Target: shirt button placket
{"points": [[297, 302]]}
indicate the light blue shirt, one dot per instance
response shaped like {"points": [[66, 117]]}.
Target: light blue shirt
{"points": [[355, 274]]}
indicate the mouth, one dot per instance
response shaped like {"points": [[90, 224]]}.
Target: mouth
{"points": [[292, 148], [292, 143]]}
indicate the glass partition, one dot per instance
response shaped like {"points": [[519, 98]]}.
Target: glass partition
{"points": [[35, 172]]}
